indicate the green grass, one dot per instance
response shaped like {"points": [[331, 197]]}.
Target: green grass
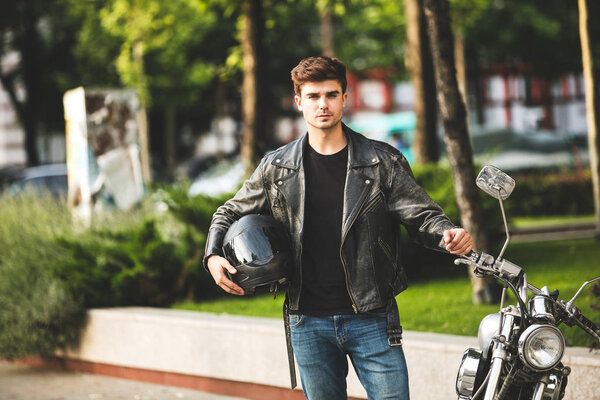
{"points": [[445, 306], [551, 221]]}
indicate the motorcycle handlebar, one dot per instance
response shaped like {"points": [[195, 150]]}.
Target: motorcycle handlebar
{"points": [[587, 325], [482, 261]]}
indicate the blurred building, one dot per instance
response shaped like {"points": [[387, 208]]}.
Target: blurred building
{"points": [[12, 137], [499, 98], [510, 97], [51, 146]]}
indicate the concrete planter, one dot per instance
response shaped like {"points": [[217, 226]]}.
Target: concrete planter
{"points": [[246, 356]]}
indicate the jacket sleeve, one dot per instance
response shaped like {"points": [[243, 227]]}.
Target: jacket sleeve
{"points": [[250, 199], [424, 220]]}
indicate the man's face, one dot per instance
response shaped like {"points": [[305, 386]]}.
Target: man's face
{"points": [[322, 103]]}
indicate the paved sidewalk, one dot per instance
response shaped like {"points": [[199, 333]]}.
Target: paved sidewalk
{"points": [[21, 382]]}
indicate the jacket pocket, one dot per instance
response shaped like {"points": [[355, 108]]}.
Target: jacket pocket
{"points": [[387, 251]]}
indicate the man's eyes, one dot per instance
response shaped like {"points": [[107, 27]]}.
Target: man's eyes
{"points": [[329, 95]]}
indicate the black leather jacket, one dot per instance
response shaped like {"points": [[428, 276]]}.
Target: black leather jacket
{"points": [[380, 194]]}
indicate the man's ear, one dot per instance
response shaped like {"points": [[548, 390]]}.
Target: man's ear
{"points": [[298, 101]]}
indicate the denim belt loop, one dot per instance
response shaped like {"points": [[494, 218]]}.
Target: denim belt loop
{"points": [[394, 329]]}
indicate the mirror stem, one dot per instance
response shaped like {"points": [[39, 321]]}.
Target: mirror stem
{"points": [[570, 303], [505, 225]]}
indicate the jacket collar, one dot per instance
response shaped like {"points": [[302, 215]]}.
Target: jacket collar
{"points": [[361, 152]]}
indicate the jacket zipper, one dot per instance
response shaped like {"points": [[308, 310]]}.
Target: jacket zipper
{"points": [[386, 250], [369, 205], [276, 203], [342, 257]]}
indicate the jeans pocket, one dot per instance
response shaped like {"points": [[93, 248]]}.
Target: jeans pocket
{"points": [[296, 320]]}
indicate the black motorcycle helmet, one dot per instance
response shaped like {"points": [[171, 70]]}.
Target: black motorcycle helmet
{"points": [[259, 248]]}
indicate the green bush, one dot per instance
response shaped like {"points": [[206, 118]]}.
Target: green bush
{"points": [[121, 265], [52, 269], [535, 194], [38, 313], [195, 213], [543, 194]]}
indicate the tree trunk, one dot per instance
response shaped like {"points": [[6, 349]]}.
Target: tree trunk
{"points": [[25, 116], [327, 31], [142, 117], [425, 142], [169, 141], [27, 110], [456, 134], [254, 135], [461, 65], [591, 106]]}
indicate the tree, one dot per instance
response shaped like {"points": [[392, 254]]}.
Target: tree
{"points": [[425, 143], [541, 34], [39, 34], [456, 134], [325, 8], [371, 36], [590, 73], [464, 14], [254, 143], [159, 55]]}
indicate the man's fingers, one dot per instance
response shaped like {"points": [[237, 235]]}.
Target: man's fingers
{"points": [[448, 235], [231, 287], [218, 266], [230, 268], [462, 248], [459, 242], [228, 285]]}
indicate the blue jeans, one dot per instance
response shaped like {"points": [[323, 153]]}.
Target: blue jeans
{"points": [[322, 343]]}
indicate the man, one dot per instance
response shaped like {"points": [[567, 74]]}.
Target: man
{"points": [[342, 197]]}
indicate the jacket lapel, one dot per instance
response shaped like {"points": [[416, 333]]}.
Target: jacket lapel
{"points": [[290, 179], [362, 159]]}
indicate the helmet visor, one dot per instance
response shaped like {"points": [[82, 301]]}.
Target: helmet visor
{"points": [[255, 245]]}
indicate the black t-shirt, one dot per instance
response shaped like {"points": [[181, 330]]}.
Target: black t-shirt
{"points": [[324, 290]]}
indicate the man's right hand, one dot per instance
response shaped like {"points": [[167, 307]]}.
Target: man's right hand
{"points": [[217, 266]]}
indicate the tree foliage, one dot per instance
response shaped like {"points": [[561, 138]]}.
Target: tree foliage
{"points": [[370, 34], [161, 43], [540, 33]]}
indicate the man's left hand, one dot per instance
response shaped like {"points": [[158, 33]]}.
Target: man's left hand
{"points": [[458, 241]]}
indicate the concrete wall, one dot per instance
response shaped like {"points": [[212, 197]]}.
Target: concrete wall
{"points": [[252, 350]]}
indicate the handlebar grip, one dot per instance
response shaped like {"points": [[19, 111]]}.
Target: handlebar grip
{"points": [[587, 325]]}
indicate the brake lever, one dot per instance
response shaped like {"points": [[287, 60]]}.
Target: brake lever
{"points": [[481, 261]]}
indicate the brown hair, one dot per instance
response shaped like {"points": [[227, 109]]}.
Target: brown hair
{"points": [[318, 69]]}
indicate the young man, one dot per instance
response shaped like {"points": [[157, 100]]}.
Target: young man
{"points": [[342, 197]]}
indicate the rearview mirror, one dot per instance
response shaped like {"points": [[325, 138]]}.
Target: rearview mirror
{"points": [[495, 182]]}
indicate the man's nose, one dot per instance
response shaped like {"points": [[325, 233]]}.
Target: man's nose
{"points": [[322, 102]]}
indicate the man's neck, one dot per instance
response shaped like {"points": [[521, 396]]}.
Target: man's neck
{"points": [[328, 141]]}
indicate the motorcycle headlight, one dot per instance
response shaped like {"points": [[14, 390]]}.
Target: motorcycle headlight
{"points": [[541, 347]]}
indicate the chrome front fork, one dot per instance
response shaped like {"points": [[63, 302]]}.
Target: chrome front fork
{"points": [[498, 358], [539, 389]]}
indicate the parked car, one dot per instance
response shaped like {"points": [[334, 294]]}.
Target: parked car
{"points": [[50, 178]]}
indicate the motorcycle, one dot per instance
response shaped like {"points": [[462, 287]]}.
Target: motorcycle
{"points": [[520, 347]]}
